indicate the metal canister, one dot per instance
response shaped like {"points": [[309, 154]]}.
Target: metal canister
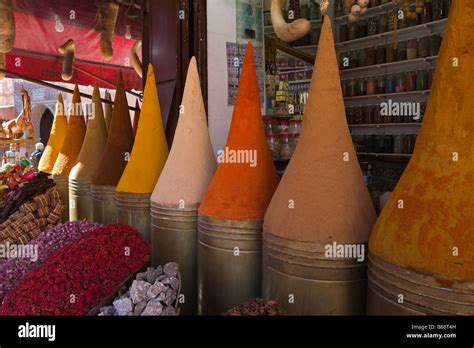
{"points": [[80, 200], [104, 209], [133, 209], [393, 290], [229, 263], [174, 239], [305, 282], [62, 186]]}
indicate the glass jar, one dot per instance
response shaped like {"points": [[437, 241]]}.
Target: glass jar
{"points": [[283, 126], [377, 117], [435, 44], [398, 144], [428, 12], [269, 125], [370, 143], [412, 49], [274, 146], [362, 86], [446, 8], [410, 81], [390, 53], [400, 85], [378, 145], [352, 31], [388, 143], [382, 23], [362, 58], [352, 88], [358, 115], [314, 11], [380, 55], [295, 127], [286, 146], [370, 56], [343, 33], [437, 9], [402, 51], [369, 114], [392, 20], [423, 47], [371, 86], [390, 84], [350, 115], [380, 84], [361, 28], [353, 59], [344, 88], [372, 26], [421, 80]]}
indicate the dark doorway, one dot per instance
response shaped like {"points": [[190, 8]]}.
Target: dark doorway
{"points": [[45, 126]]}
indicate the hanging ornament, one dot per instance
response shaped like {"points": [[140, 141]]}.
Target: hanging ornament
{"points": [[358, 9]]}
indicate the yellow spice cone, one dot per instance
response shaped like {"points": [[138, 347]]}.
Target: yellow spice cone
{"points": [[94, 142], [150, 149], [76, 132], [428, 223], [56, 138]]}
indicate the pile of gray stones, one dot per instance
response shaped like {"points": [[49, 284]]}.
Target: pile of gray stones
{"points": [[152, 293]]}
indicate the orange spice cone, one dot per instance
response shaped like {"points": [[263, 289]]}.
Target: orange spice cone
{"points": [[148, 158], [114, 159], [422, 246], [56, 138], [229, 273], [87, 162], [180, 189], [321, 200], [70, 150]]}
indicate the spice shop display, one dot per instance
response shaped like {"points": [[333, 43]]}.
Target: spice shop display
{"points": [[150, 150], [423, 250], [234, 205], [80, 197], [152, 293], [180, 190], [300, 232]]}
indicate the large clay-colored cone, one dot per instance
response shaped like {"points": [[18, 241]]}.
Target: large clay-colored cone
{"points": [[322, 196], [434, 230], [136, 118], [56, 138], [72, 145], [237, 190], [119, 142], [94, 142], [150, 149], [108, 111], [191, 163]]}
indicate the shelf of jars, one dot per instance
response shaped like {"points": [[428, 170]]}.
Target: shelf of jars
{"points": [[388, 95], [373, 10]]}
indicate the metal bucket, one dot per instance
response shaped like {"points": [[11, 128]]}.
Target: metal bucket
{"points": [[397, 291], [304, 281], [174, 239], [62, 186], [80, 200], [134, 210], [229, 263], [104, 209]]}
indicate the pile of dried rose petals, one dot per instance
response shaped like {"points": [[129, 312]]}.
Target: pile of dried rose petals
{"points": [[77, 277]]}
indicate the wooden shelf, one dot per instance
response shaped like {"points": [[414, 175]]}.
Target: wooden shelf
{"points": [[386, 65], [388, 95]]}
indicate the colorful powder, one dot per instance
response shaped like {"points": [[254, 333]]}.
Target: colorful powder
{"points": [[428, 223], [150, 149], [322, 196], [119, 143], [136, 118], [56, 138], [76, 132], [94, 142], [191, 163], [240, 191], [108, 111]]}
